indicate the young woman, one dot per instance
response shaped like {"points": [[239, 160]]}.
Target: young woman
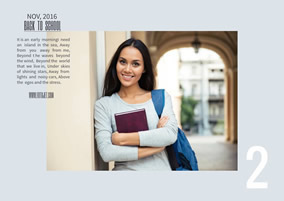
{"points": [[128, 84]]}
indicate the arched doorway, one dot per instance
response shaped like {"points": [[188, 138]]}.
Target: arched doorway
{"points": [[196, 84], [224, 43]]}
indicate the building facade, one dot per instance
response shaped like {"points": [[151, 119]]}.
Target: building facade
{"points": [[201, 77]]}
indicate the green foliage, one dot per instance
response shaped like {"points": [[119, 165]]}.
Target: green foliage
{"points": [[219, 128], [187, 110]]}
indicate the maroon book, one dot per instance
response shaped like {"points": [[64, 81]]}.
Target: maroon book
{"points": [[131, 121]]}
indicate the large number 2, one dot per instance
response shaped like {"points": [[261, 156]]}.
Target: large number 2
{"points": [[251, 183]]}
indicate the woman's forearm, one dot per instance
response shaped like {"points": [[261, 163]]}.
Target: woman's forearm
{"points": [[133, 139], [124, 139], [148, 151]]}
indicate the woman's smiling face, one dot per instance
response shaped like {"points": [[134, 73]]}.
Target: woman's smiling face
{"points": [[130, 66]]}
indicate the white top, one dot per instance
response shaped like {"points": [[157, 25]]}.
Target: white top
{"points": [[126, 157]]}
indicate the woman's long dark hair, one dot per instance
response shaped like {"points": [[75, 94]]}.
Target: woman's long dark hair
{"points": [[147, 81]]}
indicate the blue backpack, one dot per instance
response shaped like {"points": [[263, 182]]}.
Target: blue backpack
{"points": [[180, 154]]}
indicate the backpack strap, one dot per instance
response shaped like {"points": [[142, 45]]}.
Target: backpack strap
{"points": [[158, 98]]}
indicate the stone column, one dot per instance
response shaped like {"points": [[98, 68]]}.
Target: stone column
{"points": [[227, 105]]}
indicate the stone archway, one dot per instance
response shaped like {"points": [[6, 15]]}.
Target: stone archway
{"points": [[223, 43]]}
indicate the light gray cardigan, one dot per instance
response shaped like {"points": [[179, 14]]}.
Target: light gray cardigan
{"points": [[126, 157]]}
